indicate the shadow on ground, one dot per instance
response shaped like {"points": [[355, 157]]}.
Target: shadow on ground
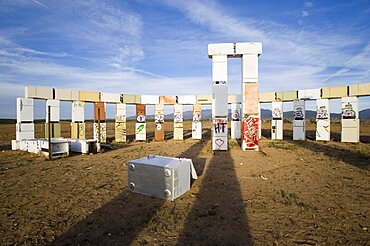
{"points": [[120, 221], [218, 218]]}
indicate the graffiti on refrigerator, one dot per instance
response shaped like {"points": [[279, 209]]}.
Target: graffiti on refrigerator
{"points": [[219, 142], [322, 113], [140, 118], [158, 121], [140, 128], [196, 117], [178, 118], [250, 130], [235, 116], [220, 125], [348, 112], [276, 113], [298, 113]]}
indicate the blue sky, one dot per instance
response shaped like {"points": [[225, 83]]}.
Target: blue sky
{"points": [[160, 46]]}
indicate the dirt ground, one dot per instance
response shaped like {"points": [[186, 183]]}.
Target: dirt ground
{"points": [[289, 193]]}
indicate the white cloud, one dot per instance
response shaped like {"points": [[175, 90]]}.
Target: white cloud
{"points": [[308, 4], [305, 13]]}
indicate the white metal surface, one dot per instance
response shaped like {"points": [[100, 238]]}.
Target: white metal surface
{"points": [[15, 144], [149, 99], [309, 94], [248, 48], [110, 97], [161, 177], [188, 99], [299, 117], [219, 143], [277, 120], [83, 146], [196, 130], [66, 95], [322, 120], [39, 92], [350, 120], [59, 147], [235, 121], [219, 133], [25, 110], [54, 110], [219, 98], [103, 132], [219, 68], [121, 112], [25, 131], [220, 49], [140, 131], [250, 68], [178, 116], [78, 111]]}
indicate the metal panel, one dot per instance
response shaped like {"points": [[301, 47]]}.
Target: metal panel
{"points": [[159, 122], [161, 177], [140, 131], [55, 130], [140, 113], [121, 112], [167, 100], [219, 68], [38, 92], [267, 97], [299, 116], [30, 92], [24, 110], [187, 99], [250, 68], [359, 90], [289, 96], [54, 110], [120, 132], [44, 92], [250, 132], [220, 49], [25, 131], [322, 130], [178, 117], [277, 129], [178, 131], [250, 98], [220, 99], [350, 120], [277, 110], [234, 99], [219, 133], [78, 130], [88, 96], [110, 97], [149, 99], [83, 146], [219, 143], [197, 124], [235, 121], [99, 111], [204, 100], [130, 98], [336, 92], [248, 48], [322, 120], [78, 111], [100, 136], [309, 94], [219, 127], [66, 95]]}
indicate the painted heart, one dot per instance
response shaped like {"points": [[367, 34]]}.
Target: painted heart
{"points": [[219, 142]]}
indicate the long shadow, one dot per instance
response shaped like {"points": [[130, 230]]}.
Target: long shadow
{"points": [[218, 218], [120, 221], [352, 157]]}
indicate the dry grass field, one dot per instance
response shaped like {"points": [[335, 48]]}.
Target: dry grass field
{"points": [[289, 193]]}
